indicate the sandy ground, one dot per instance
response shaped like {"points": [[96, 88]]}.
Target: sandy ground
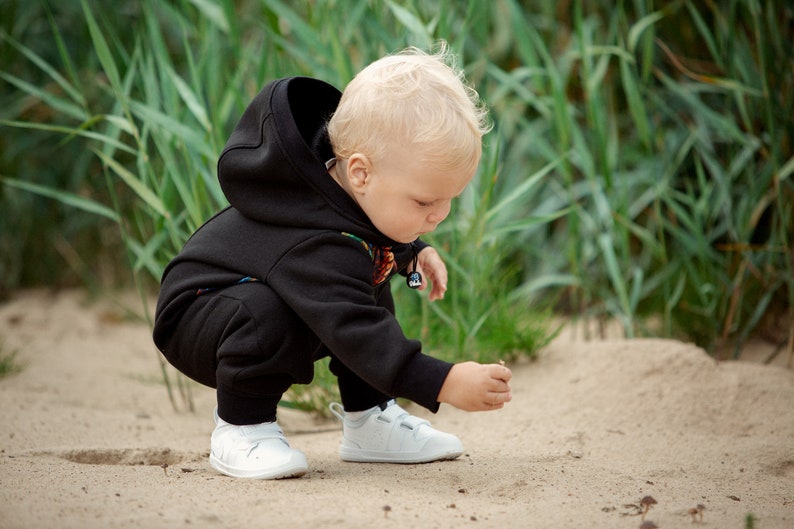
{"points": [[90, 440]]}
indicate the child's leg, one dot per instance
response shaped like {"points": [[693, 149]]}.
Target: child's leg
{"points": [[246, 343], [375, 429], [243, 341], [356, 394]]}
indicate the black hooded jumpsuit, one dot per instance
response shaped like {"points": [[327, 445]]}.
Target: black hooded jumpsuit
{"points": [[290, 272]]}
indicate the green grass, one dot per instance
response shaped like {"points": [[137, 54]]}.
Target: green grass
{"points": [[8, 363], [640, 168]]}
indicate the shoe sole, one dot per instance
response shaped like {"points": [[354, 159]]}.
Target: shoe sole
{"points": [[369, 456], [293, 469]]}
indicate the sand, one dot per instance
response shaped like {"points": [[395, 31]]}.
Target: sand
{"points": [[90, 440]]}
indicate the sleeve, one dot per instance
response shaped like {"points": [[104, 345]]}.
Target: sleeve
{"points": [[326, 280]]}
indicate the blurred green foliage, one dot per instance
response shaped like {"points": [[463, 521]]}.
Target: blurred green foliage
{"points": [[640, 168]]}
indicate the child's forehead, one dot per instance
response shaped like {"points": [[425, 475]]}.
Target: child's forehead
{"points": [[424, 177]]}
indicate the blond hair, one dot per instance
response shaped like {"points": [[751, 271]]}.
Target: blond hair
{"points": [[412, 99]]}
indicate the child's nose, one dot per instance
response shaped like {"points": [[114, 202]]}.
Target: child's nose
{"points": [[439, 214]]}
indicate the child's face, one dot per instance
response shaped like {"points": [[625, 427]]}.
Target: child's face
{"points": [[403, 196]]}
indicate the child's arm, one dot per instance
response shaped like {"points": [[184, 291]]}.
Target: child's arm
{"points": [[477, 387], [469, 386], [433, 268]]}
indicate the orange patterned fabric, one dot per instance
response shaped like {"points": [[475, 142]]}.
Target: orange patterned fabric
{"points": [[382, 259]]}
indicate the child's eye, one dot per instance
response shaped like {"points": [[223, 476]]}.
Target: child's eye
{"points": [[422, 204]]}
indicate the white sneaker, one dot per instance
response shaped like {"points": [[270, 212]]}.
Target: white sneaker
{"points": [[391, 435], [257, 451]]}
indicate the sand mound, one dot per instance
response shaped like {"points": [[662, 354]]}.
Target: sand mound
{"points": [[89, 439]]}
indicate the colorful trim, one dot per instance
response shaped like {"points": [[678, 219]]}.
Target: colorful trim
{"points": [[383, 264], [246, 279]]}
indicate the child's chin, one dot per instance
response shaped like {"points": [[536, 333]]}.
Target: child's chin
{"points": [[405, 239]]}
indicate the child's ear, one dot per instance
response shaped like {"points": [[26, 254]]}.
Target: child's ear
{"points": [[358, 168]]}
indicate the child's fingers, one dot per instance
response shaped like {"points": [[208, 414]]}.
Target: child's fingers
{"points": [[497, 386], [437, 292], [500, 372], [497, 400], [437, 277], [498, 392]]}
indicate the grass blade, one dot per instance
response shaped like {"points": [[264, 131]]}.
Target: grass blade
{"points": [[66, 198]]}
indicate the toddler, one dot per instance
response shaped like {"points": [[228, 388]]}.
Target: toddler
{"points": [[329, 196]]}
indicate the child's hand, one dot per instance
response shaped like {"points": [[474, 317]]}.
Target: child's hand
{"points": [[431, 266], [477, 387]]}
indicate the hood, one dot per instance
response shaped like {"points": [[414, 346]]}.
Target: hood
{"points": [[272, 169]]}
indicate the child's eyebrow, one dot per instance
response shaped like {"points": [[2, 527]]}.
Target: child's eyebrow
{"points": [[433, 199]]}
